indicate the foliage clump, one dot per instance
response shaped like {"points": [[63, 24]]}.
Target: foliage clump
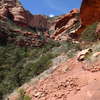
{"points": [[19, 64], [22, 95], [89, 34]]}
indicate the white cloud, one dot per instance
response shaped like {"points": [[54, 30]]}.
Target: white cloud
{"points": [[51, 15]]}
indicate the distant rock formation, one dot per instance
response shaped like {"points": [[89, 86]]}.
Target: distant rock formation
{"points": [[13, 10], [65, 23], [64, 19]]}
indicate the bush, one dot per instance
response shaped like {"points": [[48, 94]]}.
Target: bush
{"points": [[89, 34], [70, 45], [18, 65], [23, 96]]}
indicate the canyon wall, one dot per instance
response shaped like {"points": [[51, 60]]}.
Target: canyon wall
{"points": [[14, 10], [90, 12]]}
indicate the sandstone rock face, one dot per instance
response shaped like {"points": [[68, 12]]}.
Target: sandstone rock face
{"points": [[66, 23], [90, 11], [38, 21], [84, 54], [65, 19], [14, 10], [72, 80]]}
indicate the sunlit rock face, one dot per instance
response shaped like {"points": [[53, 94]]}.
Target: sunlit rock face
{"points": [[65, 23], [64, 20], [90, 11], [14, 10]]}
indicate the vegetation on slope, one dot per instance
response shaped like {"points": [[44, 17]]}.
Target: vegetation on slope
{"points": [[19, 64], [89, 34]]}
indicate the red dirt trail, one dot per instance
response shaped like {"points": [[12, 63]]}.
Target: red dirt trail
{"points": [[72, 80]]}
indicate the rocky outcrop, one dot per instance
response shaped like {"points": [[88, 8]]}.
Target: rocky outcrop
{"points": [[13, 10], [19, 37], [66, 23], [38, 21], [84, 54], [90, 12], [29, 40], [65, 19]]}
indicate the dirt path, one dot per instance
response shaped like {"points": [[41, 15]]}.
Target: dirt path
{"points": [[68, 82]]}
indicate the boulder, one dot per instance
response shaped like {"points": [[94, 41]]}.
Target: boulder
{"points": [[84, 54]]}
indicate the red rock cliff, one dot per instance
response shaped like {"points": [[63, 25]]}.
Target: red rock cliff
{"points": [[15, 11], [90, 11]]}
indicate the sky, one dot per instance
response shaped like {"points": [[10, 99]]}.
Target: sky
{"points": [[50, 7]]}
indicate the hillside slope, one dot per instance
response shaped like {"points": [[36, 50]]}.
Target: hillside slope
{"points": [[43, 58], [72, 80]]}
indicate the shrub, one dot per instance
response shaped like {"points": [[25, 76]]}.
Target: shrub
{"points": [[23, 96], [18, 65], [89, 34], [70, 45]]}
